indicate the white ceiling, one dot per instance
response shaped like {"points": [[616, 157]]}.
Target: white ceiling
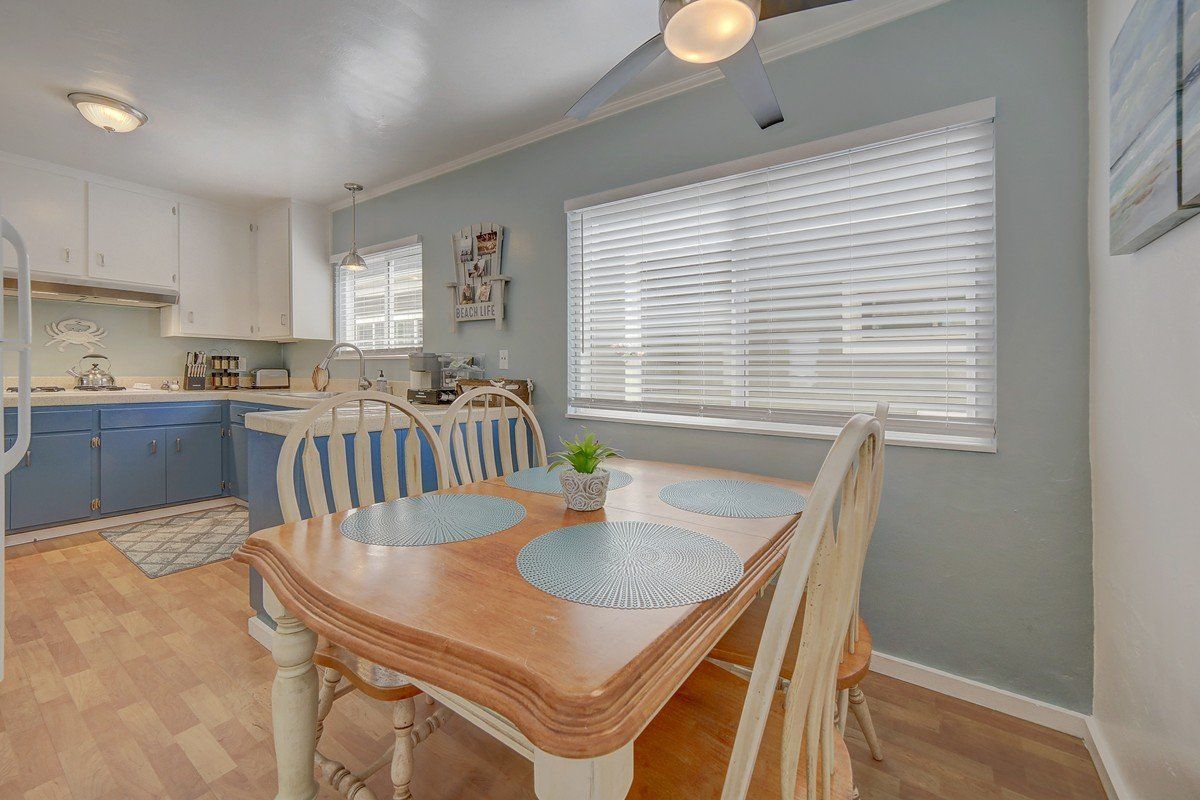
{"points": [[251, 100]]}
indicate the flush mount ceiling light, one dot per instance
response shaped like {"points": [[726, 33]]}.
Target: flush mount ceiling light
{"points": [[106, 113], [719, 32], [705, 31], [353, 261]]}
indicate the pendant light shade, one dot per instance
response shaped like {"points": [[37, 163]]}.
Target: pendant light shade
{"points": [[352, 260], [106, 113]]}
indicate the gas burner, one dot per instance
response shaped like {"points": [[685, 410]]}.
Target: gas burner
{"points": [[100, 388], [40, 389]]}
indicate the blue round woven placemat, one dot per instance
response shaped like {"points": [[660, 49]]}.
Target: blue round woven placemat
{"points": [[432, 519], [629, 565], [719, 497], [542, 480]]}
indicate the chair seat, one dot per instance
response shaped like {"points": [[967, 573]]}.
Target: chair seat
{"points": [[684, 752], [371, 679], [740, 644]]}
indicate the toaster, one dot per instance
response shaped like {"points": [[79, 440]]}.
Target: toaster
{"points": [[270, 379]]}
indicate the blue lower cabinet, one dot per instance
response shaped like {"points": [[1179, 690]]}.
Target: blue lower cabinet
{"points": [[132, 469], [236, 472], [53, 483], [193, 462]]}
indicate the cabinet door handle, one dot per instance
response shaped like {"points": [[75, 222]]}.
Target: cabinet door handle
{"points": [[179, 445], [67, 254], [174, 277], [28, 458], [100, 259], [154, 447]]}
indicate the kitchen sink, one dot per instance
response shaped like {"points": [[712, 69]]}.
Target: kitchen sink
{"points": [[310, 395]]}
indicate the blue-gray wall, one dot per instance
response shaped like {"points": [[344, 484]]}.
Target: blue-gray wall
{"points": [[133, 343], [981, 564]]}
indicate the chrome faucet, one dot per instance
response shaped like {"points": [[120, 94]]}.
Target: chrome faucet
{"points": [[320, 375]]}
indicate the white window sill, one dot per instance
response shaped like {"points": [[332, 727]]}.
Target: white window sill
{"points": [[351, 356], [926, 440]]}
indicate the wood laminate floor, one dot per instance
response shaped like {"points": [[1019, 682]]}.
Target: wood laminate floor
{"points": [[120, 687]]}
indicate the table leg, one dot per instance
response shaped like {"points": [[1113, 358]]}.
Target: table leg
{"points": [[605, 778], [293, 703]]}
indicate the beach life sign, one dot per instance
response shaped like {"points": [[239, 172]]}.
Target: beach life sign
{"points": [[1154, 148]]}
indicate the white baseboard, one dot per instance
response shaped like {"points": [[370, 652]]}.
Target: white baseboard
{"points": [[1106, 765], [260, 632], [89, 525], [981, 694]]}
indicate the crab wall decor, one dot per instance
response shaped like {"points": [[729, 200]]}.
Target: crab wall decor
{"points": [[75, 331]]}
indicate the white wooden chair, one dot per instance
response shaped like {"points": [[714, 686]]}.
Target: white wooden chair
{"points": [[737, 648], [475, 451], [792, 738], [400, 420]]}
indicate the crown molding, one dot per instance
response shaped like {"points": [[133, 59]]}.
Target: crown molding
{"points": [[897, 9]]}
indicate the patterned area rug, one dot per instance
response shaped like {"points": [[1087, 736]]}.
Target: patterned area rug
{"points": [[172, 544]]}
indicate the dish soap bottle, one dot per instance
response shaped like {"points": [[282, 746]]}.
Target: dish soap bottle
{"points": [[381, 384]]}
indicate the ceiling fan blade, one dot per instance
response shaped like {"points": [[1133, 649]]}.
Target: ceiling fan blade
{"points": [[777, 8], [617, 77], [745, 71]]}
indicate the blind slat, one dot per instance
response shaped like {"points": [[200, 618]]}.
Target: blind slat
{"points": [[797, 294]]}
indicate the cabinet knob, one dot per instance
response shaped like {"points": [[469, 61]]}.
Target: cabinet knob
{"points": [[153, 447], [67, 254]]}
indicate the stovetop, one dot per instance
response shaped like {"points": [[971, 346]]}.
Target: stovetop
{"points": [[40, 389]]}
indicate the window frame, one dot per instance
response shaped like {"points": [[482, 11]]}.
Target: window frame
{"points": [[379, 353], [969, 113]]}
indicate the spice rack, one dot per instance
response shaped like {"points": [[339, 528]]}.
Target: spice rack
{"points": [[212, 371]]}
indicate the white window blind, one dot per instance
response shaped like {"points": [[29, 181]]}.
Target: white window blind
{"points": [[379, 308], [787, 298]]}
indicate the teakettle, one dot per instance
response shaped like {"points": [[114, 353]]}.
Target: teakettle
{"points": [[95, 376]]}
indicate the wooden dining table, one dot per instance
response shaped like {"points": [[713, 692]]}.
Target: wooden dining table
{"points": [[570, 686]]}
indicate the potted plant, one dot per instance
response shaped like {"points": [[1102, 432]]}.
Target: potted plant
{"points": [[584, 481]]}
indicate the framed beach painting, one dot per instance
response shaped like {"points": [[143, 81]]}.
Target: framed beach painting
{"points": [[1145, 166], [1190, 99]]}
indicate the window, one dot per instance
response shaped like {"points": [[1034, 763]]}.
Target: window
{"points": [[379, 308], [786, 298]]}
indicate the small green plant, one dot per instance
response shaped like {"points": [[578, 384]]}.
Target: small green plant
{"points": [[582, 455]]}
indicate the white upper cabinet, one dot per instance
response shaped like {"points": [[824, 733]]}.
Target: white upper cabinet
{"points": [[133, 237], [48, 209], [295, 283], [216, 274]]}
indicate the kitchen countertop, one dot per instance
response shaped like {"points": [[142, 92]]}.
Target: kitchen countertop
{"points": [[74, 397]]}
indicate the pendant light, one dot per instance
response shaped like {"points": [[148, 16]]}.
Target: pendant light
{"points": [[353, 261]]}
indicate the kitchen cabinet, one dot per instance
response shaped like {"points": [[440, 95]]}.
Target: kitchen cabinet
{"points": [[216, 274], [293, 276], [132, 474], [49, 210], [193, 462], [132, 237], [237, 463], [53, 483]]}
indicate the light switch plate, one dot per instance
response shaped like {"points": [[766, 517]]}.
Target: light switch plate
{"points": [[503, 359]]}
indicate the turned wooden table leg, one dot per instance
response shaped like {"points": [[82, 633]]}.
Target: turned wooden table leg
{"points": [[293, 703], [605, 778]]}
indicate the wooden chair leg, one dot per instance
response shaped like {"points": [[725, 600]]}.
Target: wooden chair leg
{"points": [[858, 704], [403, 714], [842, 706]]}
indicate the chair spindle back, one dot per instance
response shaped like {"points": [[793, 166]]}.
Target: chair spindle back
{"points": [[347, 415], [476, 452]]}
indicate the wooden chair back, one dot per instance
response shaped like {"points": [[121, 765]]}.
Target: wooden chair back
{"points": [[475, 451], [825, 558], [348, 415]]}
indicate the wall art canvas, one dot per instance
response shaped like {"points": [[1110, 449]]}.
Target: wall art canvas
{"points": [[1190, 100], [1144, 163]]}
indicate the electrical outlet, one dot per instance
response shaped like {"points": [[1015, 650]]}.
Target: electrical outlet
{"points": [[503, 359]]}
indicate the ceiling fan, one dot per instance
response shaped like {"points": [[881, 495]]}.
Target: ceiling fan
{"points": [[707, 32]]}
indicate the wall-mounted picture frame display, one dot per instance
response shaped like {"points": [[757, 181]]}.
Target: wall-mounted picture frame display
{"points": [[478, 289], [1147, 86]]}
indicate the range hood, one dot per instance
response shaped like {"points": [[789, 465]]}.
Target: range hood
{"points": [[82, 290]]}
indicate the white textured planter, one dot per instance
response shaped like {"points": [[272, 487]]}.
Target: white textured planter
{"points": [[584, 492]]}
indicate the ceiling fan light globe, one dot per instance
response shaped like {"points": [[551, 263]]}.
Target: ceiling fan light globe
{"points": [[707, 31]]}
